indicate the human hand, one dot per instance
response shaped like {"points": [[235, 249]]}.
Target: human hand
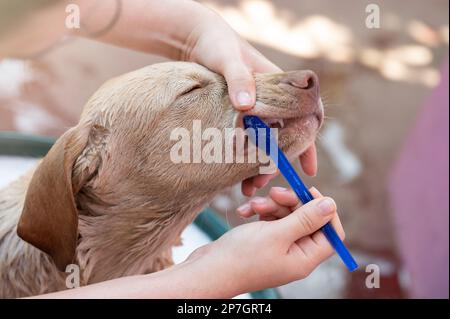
{"points": [[214, 44], [287, 246]]}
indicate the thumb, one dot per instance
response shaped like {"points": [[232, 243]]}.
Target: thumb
{"points": [[241, 86], [307, 219]]}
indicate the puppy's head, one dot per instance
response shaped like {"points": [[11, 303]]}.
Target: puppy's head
{"points": [[148, 137]]}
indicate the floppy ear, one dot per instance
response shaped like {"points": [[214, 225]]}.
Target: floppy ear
{"points": [[49, 219]]}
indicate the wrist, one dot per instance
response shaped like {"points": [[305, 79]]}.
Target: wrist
{"points": [[203, 20], [205, 277], [152, 26]]}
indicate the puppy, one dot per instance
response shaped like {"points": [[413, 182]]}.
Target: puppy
{"points": [[109, 198]]}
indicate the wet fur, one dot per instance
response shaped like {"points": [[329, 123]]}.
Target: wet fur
{"points": [[132, 201]]}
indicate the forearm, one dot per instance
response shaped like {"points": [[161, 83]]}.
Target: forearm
{"points": [[186, 280], [153, 26]]}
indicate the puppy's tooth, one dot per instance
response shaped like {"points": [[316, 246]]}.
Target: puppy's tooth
{"points": [[281, 123]]}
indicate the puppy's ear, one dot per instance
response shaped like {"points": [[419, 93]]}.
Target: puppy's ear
{"points": [[49, 219]]}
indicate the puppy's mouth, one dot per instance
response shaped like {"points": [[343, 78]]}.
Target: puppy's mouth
{"points": [[296, 132]]}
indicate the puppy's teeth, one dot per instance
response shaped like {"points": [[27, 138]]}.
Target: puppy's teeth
{"points": [[280, 122]]}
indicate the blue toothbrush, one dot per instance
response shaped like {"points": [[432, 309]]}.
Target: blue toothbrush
{"points": [[286, 169]]}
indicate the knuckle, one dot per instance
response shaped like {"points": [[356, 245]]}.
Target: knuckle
{"points": [[240, 75], [327, 252], [306, 221]]}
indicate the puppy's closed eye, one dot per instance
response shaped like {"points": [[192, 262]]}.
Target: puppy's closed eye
{"points": [[191, 89]]}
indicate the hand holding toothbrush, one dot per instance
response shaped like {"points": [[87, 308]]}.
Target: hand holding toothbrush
{"points": [[286, 245]]}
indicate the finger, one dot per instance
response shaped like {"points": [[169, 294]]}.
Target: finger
{"points": [[337, 225], [241, 85], [284, 197], [320, 239], [261, 64], [247, 187], [250, 185], [267, 207], [262, 180], [335, 221], [306, 219], [315, 192], [308, 160], [316, 247], [245, 210]]}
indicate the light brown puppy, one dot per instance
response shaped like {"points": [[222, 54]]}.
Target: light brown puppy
{"points": [[108, 197]]}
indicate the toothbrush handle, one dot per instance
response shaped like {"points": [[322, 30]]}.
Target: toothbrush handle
{"points": [[339, 247], [305, 196]]}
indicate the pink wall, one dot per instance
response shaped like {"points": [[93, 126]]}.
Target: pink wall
{"points": [[419, 192]]}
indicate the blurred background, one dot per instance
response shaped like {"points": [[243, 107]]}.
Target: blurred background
{"points": [[383, 152]]}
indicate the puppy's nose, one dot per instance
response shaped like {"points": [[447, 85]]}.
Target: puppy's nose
{"points": [[305, 80]]}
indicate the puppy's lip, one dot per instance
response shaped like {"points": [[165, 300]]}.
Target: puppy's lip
{"points": [[273, 120], [266, 111], [280, 118]]}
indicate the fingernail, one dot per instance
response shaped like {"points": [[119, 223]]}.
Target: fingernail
{"points": [[259, 200], [244, 99], [313, 190], [326, 206], [243, 208], [280, 189]]}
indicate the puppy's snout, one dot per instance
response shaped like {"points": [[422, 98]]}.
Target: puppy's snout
{"points": [[303, 80], [304, 86]]}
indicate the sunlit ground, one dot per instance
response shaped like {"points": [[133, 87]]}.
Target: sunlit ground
{"points": [[319, 36]]}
